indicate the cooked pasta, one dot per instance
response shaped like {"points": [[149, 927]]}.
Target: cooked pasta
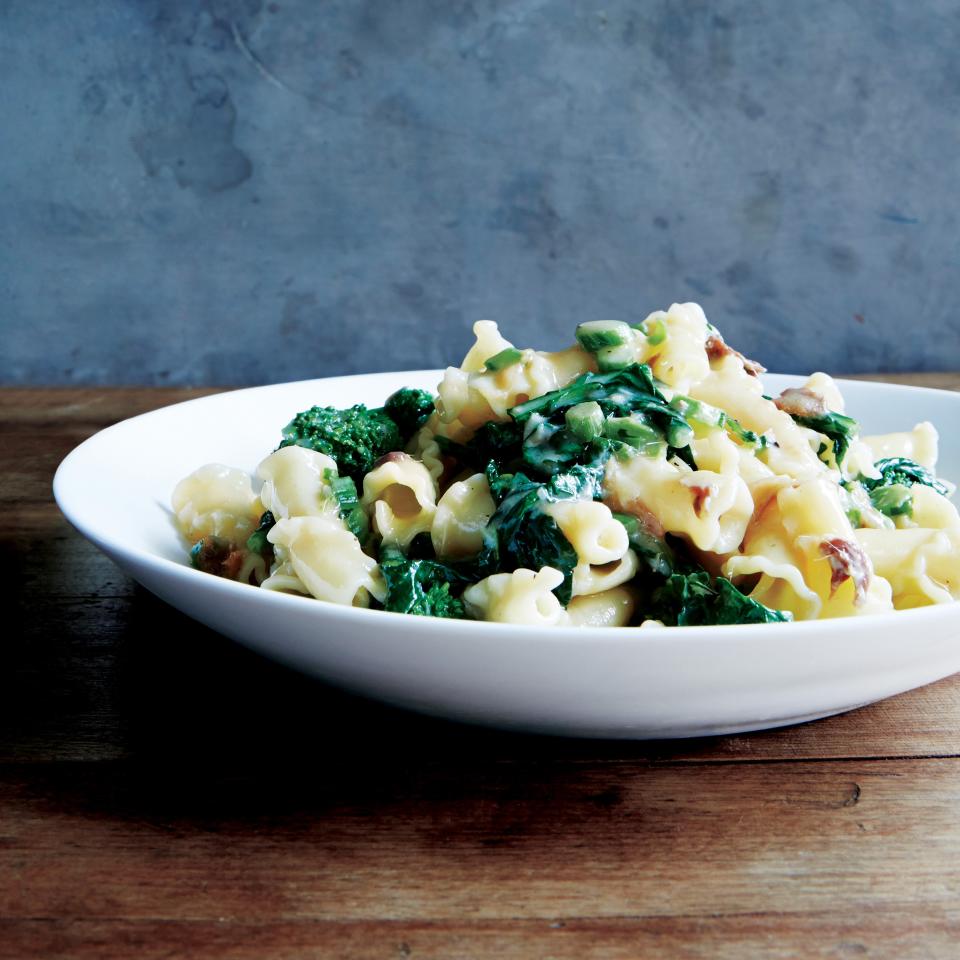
{"points": [[641, 477]]}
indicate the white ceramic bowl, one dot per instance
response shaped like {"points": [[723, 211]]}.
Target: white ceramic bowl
{"points": [[681, 682]]}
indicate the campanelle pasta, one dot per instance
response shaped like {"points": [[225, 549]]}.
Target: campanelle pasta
{"points": [[641, 477]]}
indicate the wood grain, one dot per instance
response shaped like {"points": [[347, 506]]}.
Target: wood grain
{"points": [[165, 793]]}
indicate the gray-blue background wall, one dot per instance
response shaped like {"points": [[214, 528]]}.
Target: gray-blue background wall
{"points": [[240, 192]]}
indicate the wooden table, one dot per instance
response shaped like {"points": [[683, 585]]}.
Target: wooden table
{"points": [[166, 794]]}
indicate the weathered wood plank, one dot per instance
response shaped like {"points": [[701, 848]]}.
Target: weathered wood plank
{"points": [[888, 934], [336, 838]]}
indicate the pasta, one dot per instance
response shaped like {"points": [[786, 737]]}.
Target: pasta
{"points": [[461, 518], [401, 497], [641, 477]]}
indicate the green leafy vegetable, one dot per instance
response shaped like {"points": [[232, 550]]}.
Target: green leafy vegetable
{"points": [[420, 587], [691, 599], [900, 470], [711, 416], [893, 501], [348, 502], [497, 441], [619, 393], [838, 428], [409, 409], [257, 542], [521, 534], [355, 437], [548, 446], [656, 553]]}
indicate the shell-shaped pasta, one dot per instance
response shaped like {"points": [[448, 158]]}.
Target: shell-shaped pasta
{"points": [[476, 398], [859, 461], [714, 450], [522, 597], [462, 514], [711, 509], [423, 445], [400, 496], [612, 608], [591, 529], [489, 342], [596, 578], [570, 363], [471, 395], [825, 386], [802, 545], [681, 360], [319, 556], [729, 387], [921, 565], [294, 484], [216, 500], [930, 509], [918, 444]]}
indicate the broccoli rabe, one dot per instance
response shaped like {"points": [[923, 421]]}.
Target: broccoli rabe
{"points": [[620, 393], [356, 437], [420, 587], [900, 470], [521, 534], [653, 551], [409, 409], [691, 599], [497, 441], [257, 542], [841, 430], [353, 515]]}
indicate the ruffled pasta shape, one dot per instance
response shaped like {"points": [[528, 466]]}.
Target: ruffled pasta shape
{"points": [[472, 395], [711, 509], [319, 556], [681, 359], [400, 497], [922, 566], [294, 483], [216, 500], [612, 608], [593, 531], [424, 447], [808, 560], [521, 597], [919, 444], [729, 387], [463, 513], [590, 578]]}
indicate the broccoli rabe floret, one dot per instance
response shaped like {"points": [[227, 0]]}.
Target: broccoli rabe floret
{"points": [[355, 437], [900, 470], [409, 409]]}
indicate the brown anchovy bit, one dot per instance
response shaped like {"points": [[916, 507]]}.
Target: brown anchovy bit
{"points": [[847, 561]]}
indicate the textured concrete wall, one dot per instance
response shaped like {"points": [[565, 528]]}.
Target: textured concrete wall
{"points": [[241, 192]]}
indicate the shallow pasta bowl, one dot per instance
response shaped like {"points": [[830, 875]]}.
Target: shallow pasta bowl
{"points": [[615, 682]]}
